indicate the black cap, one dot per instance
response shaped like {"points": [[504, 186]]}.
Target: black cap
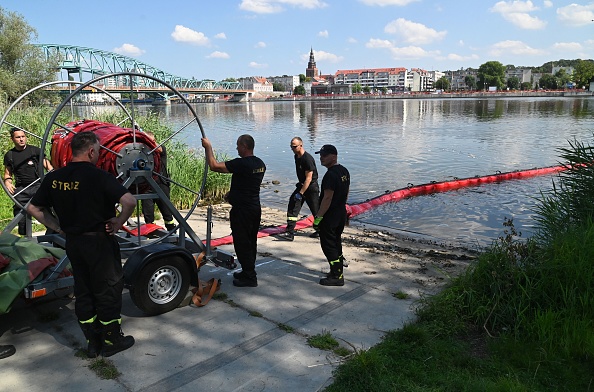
{"points": [[327, 149]]}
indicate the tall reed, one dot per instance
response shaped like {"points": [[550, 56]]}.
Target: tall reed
{"points": [[186, 166], [541, 289]]}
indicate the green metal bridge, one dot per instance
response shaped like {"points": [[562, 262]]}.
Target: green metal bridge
{"points": [[93, 63]]}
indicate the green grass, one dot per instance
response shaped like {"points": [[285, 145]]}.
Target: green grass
{"points": [[186, 166], [400, 295], [104, 368], [323, 341], [520, 318], [286, 328]]}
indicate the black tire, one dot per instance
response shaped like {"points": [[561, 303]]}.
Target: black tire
{"points": [[161, 285]]}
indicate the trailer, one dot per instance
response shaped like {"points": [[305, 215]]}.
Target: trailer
{"points": [[159, 265]]}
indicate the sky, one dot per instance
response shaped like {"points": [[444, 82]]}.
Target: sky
{"points": [[208, 39]]}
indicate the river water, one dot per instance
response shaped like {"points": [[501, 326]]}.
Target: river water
{"points": [[388, 144]]}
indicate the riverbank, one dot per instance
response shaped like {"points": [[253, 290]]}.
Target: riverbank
{"points": [[245, 338], [426, 95]]}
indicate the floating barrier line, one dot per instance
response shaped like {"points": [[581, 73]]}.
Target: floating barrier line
{"points": [[410, 191]]}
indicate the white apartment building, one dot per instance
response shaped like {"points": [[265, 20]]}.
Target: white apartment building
{"points": [[418, 80], [373, 78]]}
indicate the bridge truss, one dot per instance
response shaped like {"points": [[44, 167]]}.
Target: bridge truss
{"points": [[95, 62]]}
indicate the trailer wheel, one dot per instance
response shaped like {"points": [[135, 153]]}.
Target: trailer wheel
{"points": [[161, 285]]}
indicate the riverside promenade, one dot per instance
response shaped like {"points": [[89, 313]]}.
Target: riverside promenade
{"points": [[246, 339], [427, 95]]}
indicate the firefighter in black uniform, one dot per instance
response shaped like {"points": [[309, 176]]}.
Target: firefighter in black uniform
{"points": [[84, 198], [148, 205], [21, 161], [244, 197], [332, 216], [306, 189]]}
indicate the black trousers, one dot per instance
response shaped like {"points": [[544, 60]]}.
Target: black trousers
{"points": [[245, 223], [98, 276], [311, 197], [331, 237], [148, 207], [23, 197]]}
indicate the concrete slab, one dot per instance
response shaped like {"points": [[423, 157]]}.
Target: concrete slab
{"points": [[254, 339]]}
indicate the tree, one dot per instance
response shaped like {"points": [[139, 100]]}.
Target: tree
{"points": [[549, 82], [491, 74], [442, 84], [299, 90], [301, 78], [366, 89], [526, 86], [583, 73], [356, 88], [470, 82], [278, 87], [22, 64], [513, 83], [563, 77]]}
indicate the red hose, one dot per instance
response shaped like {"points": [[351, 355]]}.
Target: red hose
{"points": [[411, 191], [110, 136]]}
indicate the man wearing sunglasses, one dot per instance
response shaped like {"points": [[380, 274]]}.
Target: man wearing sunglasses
{"points": [[306, 189]]}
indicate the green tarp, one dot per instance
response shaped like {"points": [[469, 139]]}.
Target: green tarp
{"points": [[28, 259]]}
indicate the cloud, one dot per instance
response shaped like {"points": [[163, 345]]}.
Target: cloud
{"points": [[184, 34], [548, 4], [576, 15], [375, 43], [323, 34], [517, 13], [458, 57], [129, 50], [260, 45], [507, 7], [567, 46], [411, 53], [221, 36], [414, 33], [322, 56], [351, 40], [276, 6], [515, 48], [253, 64], [218, 55], [526, 21], [383, 3]]}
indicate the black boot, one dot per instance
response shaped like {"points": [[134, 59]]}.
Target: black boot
{"points": [[114, 340], [92, 332], [6, 350], [334, 278], [288, 235]]}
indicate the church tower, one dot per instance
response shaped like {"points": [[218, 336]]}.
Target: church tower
{"points": [[311, 71]]}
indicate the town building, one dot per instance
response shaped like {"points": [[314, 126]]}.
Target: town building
{"points": [[311, 71], [258, 84], [331, 89], [524, 75], [288, 82], [393, 79]]}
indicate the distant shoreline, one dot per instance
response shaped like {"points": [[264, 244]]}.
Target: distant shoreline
{"points": [[473, 95]]}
